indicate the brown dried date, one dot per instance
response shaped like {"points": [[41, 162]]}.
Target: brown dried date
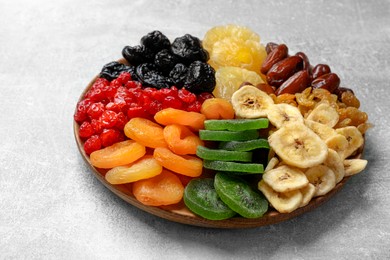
{"points": [[319, 70], [270, 46], [266, 88], [282, 70], [328, 81], [277, 54], [295, 84], [305, 59]]}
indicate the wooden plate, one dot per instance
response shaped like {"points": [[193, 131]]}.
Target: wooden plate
{"points": [[179, 213]]}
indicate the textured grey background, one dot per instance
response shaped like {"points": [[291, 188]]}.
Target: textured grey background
{"points": [[53, 208]]}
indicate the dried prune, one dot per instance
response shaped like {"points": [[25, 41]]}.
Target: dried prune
{"points": [[200, 78], [165, 60], [150, 76], [113, 69], [155, 41], [178, 75], [189, 49], [136, 55]]}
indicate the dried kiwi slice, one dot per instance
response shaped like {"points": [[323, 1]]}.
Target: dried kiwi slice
{"points": [[244, 145], [223, 155], [211, 135], [249, 168], [202, 199], [239, 196], [236, 124]]}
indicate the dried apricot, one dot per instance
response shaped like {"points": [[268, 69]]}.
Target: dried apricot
{"points": [[171, 116], [217, 108], [144, 168], [163, 189], [187, 165], [181, 140], [145, 132], [118, 154]]}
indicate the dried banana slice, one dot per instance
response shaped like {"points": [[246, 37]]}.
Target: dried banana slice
{"points": [[307, 194], [322, 177], [335, 163], [271, 164], [281, 114], [251, 102], [354, 138], [325, 114], [354, 166], [323, 131], [337, 143], [285, 178], [282, 202], [298, 146]]}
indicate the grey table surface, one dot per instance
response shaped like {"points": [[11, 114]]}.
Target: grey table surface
{"points": [[52, 207]]}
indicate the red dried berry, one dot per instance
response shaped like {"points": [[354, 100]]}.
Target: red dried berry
{"points": [[92, 144], [81, 110], [108, 119], [172, 102], [133, 84], [169, 92], [158, 95], [154, 107], [96, 95], [121, 121], [136, 111], [203, 96], [113, 107], [86, 130], [96, 110], [194, 107], [109, 137], [124, 77], [186, 96], [97, 126]]}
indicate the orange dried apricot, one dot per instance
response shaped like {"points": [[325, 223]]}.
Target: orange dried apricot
{"points": [[163, 189], [187, 165], [145, 132], [217, 108], [181, 140], [144, 168], [171, 116], [118, 154]]}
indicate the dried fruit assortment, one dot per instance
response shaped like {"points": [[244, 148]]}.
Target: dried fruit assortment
{"points": [[226, 125]]}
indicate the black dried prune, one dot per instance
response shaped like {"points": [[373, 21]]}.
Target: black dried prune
{"points": [[150, 76], [189, 49], [136, 55], [113, 69], [200, 78], [165, 60], [155, 41], [178, 75]]}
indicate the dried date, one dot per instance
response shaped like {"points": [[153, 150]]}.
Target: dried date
{"points": [[277, 54], [282, 70]]}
